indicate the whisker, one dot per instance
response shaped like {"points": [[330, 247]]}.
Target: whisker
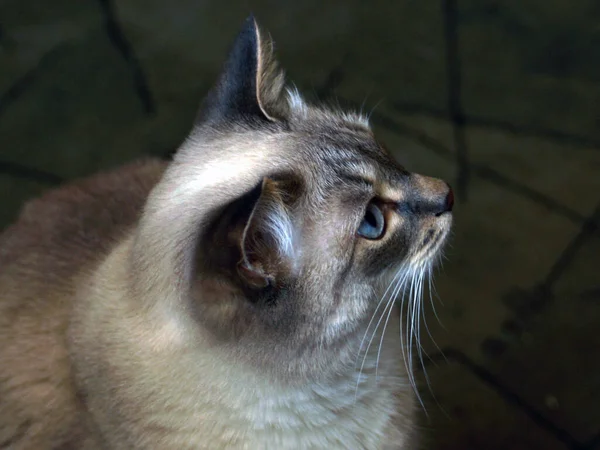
{"points": [[430, 388], [416, 317], [391, 308], [395, 281], [431, 294], [424, 275], [364, 102], [419, 309], [404, 347], [410, 319], [410, 280], [383, 314], [429, 279], [398, 272], [373, 109], [397, 288]]}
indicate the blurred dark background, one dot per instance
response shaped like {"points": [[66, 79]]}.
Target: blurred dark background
{"points": [[501, 98]]}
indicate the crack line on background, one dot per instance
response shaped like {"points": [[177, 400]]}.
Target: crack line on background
{"points": [[120, 42], [21, 171], [450, 354], [587, 230], [454, 87], [500, 125], [19, 87]]}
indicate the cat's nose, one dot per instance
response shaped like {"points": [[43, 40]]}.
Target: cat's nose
{"points": [[448, 202], [440, 202], [429, 196]]}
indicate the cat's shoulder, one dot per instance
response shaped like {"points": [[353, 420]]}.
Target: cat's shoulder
{"points": [[121, 191], [81, 217], [57, 238]]}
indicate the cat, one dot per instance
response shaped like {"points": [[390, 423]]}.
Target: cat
{"points": [[229, 299]]}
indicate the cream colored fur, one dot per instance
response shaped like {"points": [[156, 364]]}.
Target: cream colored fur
{"points": [[172, 378]]}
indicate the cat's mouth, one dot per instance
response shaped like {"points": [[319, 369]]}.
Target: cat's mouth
{"points": [[430, 244]]}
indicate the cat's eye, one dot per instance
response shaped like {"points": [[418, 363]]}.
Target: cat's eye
{"points": [[373, 223]]}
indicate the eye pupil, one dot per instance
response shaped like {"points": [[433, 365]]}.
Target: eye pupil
{"points": [[370, 219], [373, 223]]}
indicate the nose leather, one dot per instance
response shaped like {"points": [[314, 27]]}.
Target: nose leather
{"points": [[448, 202], [438, 205]]}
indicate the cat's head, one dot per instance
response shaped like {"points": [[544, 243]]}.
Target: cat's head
{"points": [[279, 224]]}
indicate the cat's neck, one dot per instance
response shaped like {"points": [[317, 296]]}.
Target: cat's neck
{"points": [[198, 390]]}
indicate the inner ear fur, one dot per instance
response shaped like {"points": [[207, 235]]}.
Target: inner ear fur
{"points": [[252, 239], [269, 242]]}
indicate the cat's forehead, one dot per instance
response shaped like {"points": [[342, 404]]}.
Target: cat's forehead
{"points": [[345, 144]]}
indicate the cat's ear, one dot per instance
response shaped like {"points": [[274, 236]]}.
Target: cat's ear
{"points": [[251, 85], [269, 242]]}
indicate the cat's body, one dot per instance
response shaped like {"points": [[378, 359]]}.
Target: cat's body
{"points": [[187, 307], [54, 255], [52, 249]]}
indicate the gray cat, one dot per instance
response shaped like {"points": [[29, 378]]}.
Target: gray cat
{"points": [[227, 300]]}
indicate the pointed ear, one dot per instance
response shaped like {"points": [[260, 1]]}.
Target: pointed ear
{"points": [[251, 85], [269, 241]]}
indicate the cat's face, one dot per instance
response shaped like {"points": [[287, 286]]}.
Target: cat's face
{"points": [[307, 219]]}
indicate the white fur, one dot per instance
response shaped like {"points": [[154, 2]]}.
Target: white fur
{"points": [[280, 226], [199, 180], [296, 102], [299, 107], [216, 173], [267, 416], [358, 118]]}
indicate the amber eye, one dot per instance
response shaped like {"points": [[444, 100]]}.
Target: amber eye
{"points": [[373, 223]]}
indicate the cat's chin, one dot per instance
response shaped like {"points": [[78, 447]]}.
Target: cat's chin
{"points": [[430, 245]]}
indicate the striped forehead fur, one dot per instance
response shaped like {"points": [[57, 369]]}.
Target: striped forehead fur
{"points": [[302, 110]]}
